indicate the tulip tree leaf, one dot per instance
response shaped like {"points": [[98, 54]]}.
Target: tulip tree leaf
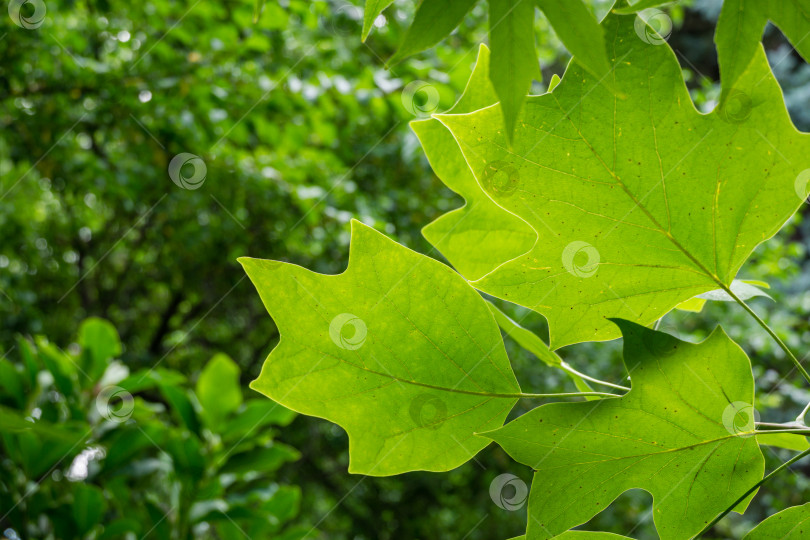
{"points": [[398, 350], [679, 434], [740, 27], [639, 203], [480, 222], [790, 524]]}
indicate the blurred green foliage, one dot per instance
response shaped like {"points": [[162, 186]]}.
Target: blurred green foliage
{"points": [[90, 450], [300, 128]]}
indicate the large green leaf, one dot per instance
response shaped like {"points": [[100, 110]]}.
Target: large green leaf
{"points": [[679, 434], [398, 350], [639, 203], [739, 30], [480, 222], [790, 524]]}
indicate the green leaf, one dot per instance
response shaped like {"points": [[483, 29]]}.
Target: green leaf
{"points": [[434, 20], [553, 82], [741, 288], [28, 355], [284, 504], [641, 5], [504, 236], [218, 389], [694, 305], [638, 203], [584, 535], [12, 383], [680, 433], [181, 405], [370, 14], [744, 289], [789, 441], [60, 366], [514, 59], [13, 421], [790, 524], [525, 338], [256, 414], [89, 506], [739, 30], [398, 350], [99, 338], [581, 34], [119, 528], [258, 6], [264, 460]]}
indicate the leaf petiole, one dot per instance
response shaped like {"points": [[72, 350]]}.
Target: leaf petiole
{"points": [[768, 329], [565, 394]]}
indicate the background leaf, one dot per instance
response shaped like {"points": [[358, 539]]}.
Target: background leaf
{"points": [[218, 389]]}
